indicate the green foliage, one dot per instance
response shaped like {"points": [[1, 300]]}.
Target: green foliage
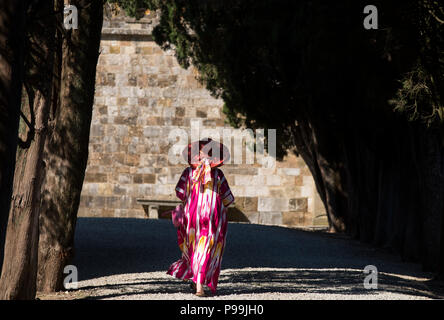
{"points": [[416, 100], [134, 8], [419, 96]]}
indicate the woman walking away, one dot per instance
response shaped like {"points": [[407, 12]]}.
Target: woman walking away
{"points": [[205, 196]]}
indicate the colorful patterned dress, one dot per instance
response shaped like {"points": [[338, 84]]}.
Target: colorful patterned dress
{"points": [[202, 236]]}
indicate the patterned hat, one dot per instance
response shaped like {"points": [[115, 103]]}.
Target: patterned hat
{"points": [[216, 152]]}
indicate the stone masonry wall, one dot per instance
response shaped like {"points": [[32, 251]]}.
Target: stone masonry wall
{"points": [[141, 95]]}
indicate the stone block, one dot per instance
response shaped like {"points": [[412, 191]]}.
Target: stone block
{"points": [[270, 218], [113, 202], [266, 171], [164, 81], [246, 204], [240, 170], [96, 177], [105, 189], [151, 132], [97, 147], [124, 202], [238, 191], [161, 179], [307, 180], [165, 102], [168, 112], [139, 92], [305, 171], [214, 112], [179, 112], [106, 79], [244, 180], [173, 178], [149, 178], [111, 148], [96, 130], [134, 213], [180, 122], [127, 50], [209, 123], [132, 80], [298, 204], [272, 204], [255, 191], [273, 180], [298, 180], [306, 191], [295, 219], [289, 171], [107, 213], [112, 112], [201, 113], [142, 101], [125, 92], [85, 201], [163, 190], [122, 101], [154, 121], [145, 50], [320, 221], [98, 202], [114, 49], [105, 160], [220, 122], [125, 178], [144, 190], [110, 101], [132, 159], [103, 120], [120, 213], [89, 212], [253, 217]]}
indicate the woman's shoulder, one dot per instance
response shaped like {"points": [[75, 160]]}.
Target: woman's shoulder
{"points": [[218, 173], [187, 171]]}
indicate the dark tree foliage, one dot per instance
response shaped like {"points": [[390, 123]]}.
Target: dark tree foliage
{"points": [[362, 107]]}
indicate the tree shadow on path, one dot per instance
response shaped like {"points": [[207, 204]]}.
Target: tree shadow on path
{"points": [[257, 259], [307, 282]]}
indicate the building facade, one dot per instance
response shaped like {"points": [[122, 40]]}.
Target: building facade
{"points": [[142, 98]]}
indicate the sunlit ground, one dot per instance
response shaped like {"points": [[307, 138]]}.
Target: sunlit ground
{"points": [[128, 258]]}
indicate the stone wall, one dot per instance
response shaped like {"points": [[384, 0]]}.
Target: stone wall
{"points": [[142, 94]]}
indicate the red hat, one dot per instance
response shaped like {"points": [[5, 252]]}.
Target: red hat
{"points": [[209, 150]]}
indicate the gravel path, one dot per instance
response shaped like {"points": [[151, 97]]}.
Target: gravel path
{"points": [[128, 258]]}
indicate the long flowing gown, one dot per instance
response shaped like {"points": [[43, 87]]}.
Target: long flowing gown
{"points": [[202, 236]]}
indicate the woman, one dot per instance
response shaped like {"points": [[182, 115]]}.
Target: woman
{"points": [[205, 195]]}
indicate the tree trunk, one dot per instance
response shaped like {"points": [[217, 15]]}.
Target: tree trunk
{"points": [[12, 25], [20, 266], [325, 173], [66, 151], [19, 272]]}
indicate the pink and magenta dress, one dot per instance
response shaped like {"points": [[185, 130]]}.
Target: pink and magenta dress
{"points": [[201, 238]]}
